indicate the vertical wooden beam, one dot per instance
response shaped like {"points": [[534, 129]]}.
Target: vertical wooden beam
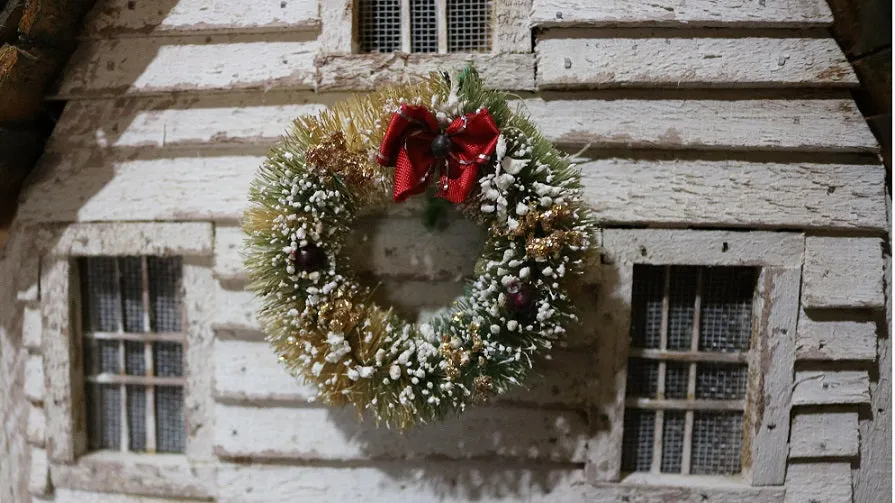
{"points": [[442, 26], [199, 305], [148, 362], [405, 26], [337, 21], [767, 417]]}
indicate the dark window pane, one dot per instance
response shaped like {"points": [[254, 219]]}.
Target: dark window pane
{"points": [[168, 359], [681, 302], [637, 443], [717, 440], [646, 301], [726, 317], [469, 25], [423, 26], [677, 376], [170, 428], [131, 269], [721, 382], [643, 378], [100, 297], [672, 441], [379, 25], [134, 359], [164, 293], [136, 417], [104, 416]]}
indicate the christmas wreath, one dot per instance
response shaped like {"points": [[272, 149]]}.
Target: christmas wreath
{"points": [[379, 149]]}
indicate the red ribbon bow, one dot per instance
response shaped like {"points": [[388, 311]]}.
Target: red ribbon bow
{"points": [[415, 145]]}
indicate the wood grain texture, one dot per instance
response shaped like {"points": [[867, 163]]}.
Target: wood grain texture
{"points": [[366, 72], [123, 18], [143, 238], [338, 434], [337, 20], [214, 62], [31, 328], [451, 482], [511, 26], [835, 340], [718, 248], [570, 59], [818, 483], [824, 435], [770, 398], [569, 119], [199, 305], [37, 425], [683, 13], [75, 496], [39, 474], [843, 273], [87, 186], [34, 379], [160, 475], [248, 372], [791, 124], [817, 387]]}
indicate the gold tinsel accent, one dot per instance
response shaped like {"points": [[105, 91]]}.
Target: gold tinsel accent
{"points": [[332, 157], [482, 387]]}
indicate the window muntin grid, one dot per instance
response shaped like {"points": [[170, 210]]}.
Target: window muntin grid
{"points": [[426, 26], [132, 322], [691, 330]]}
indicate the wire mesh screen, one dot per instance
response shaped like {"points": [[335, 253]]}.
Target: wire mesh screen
{"points": [[469, 25], [670, 306], [379, 25], [423, 26], [123, 298]]}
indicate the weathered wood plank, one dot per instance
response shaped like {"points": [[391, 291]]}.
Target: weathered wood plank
{"points": [[39, 475], [122, 18], [337, 30], [824, 434], [569, 59], [366, 72], [835, 340], [775, 314], [817, 387], [681, 13], [37, 425], [160, 475], [248, 371], [144, 238], [215, 62], [75, 496], [512, 32], [31, 328], [34, 379], [843, 273], [87, 186], [686, 247], [451, 482], [570, 120], [791, 124], [818, 483], [200, 301], [338, 434]]}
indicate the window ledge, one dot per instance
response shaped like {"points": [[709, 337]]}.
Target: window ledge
{"points": [[162, 475], [369, 71], [689, 488], [675, 480]]}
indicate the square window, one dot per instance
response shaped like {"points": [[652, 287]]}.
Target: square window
{"points": [[430, 26], [687, 374], [132, 321]]}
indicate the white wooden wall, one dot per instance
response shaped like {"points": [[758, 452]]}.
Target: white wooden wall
{"points": [[731, 114]]}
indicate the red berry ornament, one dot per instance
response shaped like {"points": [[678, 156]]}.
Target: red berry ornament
{"points": [[309, 258], [520, 296]]}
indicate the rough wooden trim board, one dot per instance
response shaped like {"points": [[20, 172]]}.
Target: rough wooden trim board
{"points": [[37, 425], [681, 13], [843, 273], [821, 387], [199, 305], [835, 340], [824, 435], [570, 59], [820, 481], [134, 238]]}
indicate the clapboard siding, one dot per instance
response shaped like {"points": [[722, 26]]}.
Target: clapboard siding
{"points": [[601, 120], [451, 482], [681, 13], [34, 379], [821, 482], [569, 59], [144, 238], [31, 328], [818, 387], [366, 72], [74, 496], [37, 425], [249, 371], [835, 340], [196, 63], [123, 18], [89, 185], [337, 434], [843, 273], [824, 435]]}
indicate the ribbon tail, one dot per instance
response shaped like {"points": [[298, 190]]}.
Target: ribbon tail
{"points": [[458, 188], [408, 180]]}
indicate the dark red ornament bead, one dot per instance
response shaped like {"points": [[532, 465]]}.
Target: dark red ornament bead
{"points": [[309, 258], [520, 296]]}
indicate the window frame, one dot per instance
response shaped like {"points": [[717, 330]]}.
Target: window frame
{"points": [[72, 465], [778, 257]]}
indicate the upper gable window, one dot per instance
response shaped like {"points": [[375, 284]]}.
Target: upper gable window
{"points": [[133, 331], [691, 334], [424, 26]]}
